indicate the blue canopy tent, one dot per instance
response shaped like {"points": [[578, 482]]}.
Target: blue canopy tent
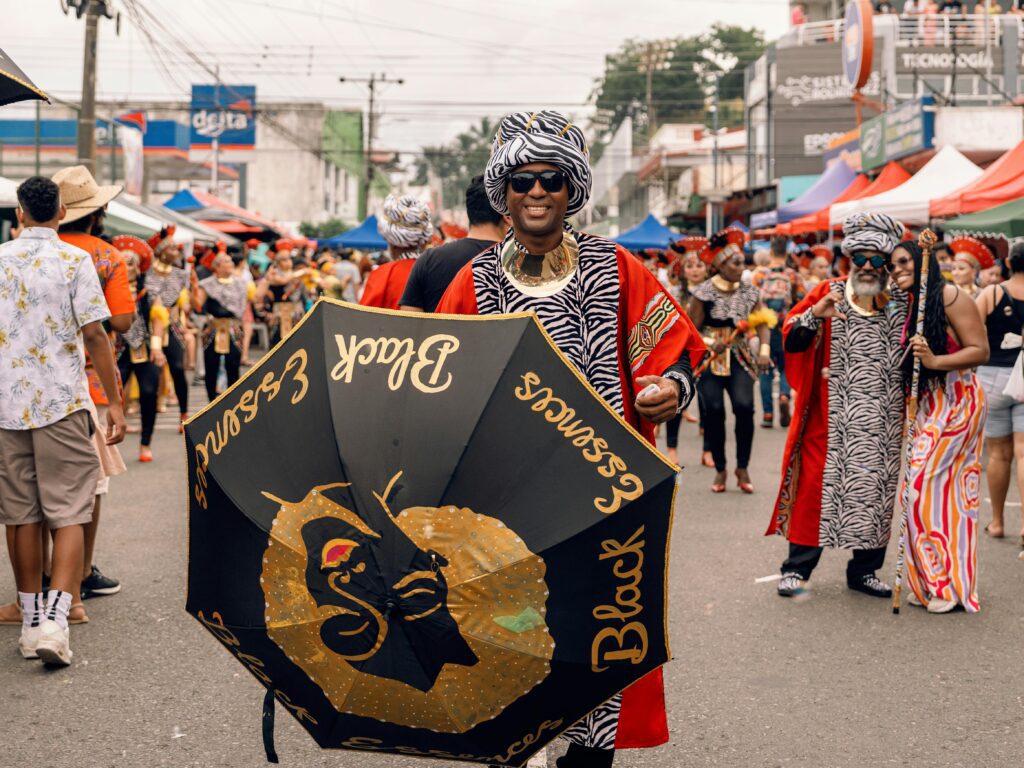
{"points": [[649, 233], [365, 237], [737, 224]]}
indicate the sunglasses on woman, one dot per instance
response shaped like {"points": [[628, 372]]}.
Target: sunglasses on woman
{"points": [[550, 181], [860, 259]]}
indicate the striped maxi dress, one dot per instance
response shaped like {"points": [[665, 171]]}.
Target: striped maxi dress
{"points": [[945, 485]]}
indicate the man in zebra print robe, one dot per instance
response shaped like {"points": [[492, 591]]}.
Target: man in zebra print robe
{"points": [[840, 470], [606, 313]]}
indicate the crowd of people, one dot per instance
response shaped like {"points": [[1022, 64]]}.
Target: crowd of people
{"points": [[842, 344]]}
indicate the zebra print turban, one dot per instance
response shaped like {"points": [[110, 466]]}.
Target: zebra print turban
{"points": [[539, 137], [871, 232], [405, 222]]}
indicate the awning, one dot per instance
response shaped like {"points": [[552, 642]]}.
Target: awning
{"points": [[892, 176], [205, 207], [831, 185], [365, 237], [202, 233], [946, 172], [649, 233], [1006, 221], [1002, 182], [231, 226], [125, 217], [818, 221]]}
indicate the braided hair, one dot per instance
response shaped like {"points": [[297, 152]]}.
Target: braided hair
{"points": [[935, 322]]}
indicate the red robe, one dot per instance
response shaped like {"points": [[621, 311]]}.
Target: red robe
{"points": [[386, 284], [649, 342], [797, 515]]}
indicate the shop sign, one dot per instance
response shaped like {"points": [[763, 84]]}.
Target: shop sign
{"points": [[901, 131]]}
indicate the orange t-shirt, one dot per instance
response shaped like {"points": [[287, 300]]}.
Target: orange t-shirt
{"points": [[113, 274]]}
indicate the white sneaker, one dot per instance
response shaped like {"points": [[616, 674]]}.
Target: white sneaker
{"points": [[28, 641], [53, 646]]}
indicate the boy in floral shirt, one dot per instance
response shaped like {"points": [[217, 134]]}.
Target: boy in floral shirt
{"points": [[50, 305]]}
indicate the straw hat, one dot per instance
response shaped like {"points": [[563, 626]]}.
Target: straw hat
{"points": [[81, 194]]}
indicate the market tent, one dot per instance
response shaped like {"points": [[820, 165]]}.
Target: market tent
{"points": [[737, 224], [8, 193], [1004, 178], [202, 233], [833, 182], [125, 217], [890, 177], [946, 172], [365, 237], [1005, 220], [222, 215], [649, 233], [818, 221]]}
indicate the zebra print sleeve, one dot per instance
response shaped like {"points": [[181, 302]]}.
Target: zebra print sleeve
{"points": [[683, 373]]}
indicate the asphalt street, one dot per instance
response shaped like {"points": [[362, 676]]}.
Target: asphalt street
{"points": [[830, 681]]}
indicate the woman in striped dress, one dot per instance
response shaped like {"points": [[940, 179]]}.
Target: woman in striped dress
{"points": [[944, 476]]}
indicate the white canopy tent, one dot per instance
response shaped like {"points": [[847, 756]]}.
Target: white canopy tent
{"points": [[8, 193], [945, 173], [124, 218]]}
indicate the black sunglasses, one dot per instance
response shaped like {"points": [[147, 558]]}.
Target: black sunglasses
{"points": [[550, 181], [860, 259]]}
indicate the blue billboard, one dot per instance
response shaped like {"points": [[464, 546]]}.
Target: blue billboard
{"points": [[226, 113]]}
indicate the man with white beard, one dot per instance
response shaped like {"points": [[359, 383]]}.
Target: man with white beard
{"points": [[840, 471]]}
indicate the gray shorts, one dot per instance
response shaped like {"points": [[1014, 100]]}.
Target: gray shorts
{"points": [[1005, 415], [49, 473]]}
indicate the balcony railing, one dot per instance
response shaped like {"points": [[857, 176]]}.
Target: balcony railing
{"points": [[938, 30]]}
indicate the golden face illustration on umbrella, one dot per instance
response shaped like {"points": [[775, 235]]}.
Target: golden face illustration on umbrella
{"points": [[433, 618]]}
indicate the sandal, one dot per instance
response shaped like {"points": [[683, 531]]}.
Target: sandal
{"points": [[744, 484], [988, 530], [77, 615], [706, 460], [719, 485]]}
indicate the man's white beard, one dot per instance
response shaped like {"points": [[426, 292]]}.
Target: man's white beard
{"points": [[866, 290]]}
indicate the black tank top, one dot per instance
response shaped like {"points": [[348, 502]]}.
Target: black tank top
{"points": [[1007, 317]]}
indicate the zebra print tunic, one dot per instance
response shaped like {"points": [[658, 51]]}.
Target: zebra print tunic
{"points": [[582, 319], [865, 420]]}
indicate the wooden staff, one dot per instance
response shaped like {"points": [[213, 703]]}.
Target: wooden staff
{"points": [[927, 241]]}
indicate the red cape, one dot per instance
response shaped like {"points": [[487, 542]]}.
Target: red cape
{"points": [[386, 284], [797, 513], [646, 348]]}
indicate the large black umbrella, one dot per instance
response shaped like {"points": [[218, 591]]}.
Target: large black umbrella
{"points": [[427, 535], [14, 84]]}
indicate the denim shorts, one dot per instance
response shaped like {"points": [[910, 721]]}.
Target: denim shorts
{"points": [[1005, 415]]}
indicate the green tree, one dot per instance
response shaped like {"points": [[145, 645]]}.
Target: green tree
{"points": [[456, 163], [326, 229], [682, 73]]}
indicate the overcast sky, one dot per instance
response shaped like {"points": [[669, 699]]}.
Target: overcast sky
{"points": [[460, 59]]}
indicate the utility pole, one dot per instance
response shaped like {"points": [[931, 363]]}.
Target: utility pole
{"points": [[654, 55], [92, 10], [371, 84], [215, 171]]}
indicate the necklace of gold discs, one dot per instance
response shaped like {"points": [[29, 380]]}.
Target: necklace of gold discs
{"points": [[557, 264]]}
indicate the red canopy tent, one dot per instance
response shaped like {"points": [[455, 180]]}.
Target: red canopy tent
{"points": [[1002, 182], [892, 176]]}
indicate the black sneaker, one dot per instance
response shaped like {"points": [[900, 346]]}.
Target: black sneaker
{"points": [[791, 584], [870, 585], [96, 584]]}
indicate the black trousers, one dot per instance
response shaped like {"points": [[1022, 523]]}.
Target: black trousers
{"points": [[712, 391], [148, 376], [579, 756], [672, 430], [175, 354], [232, 361], [803, 559]]}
